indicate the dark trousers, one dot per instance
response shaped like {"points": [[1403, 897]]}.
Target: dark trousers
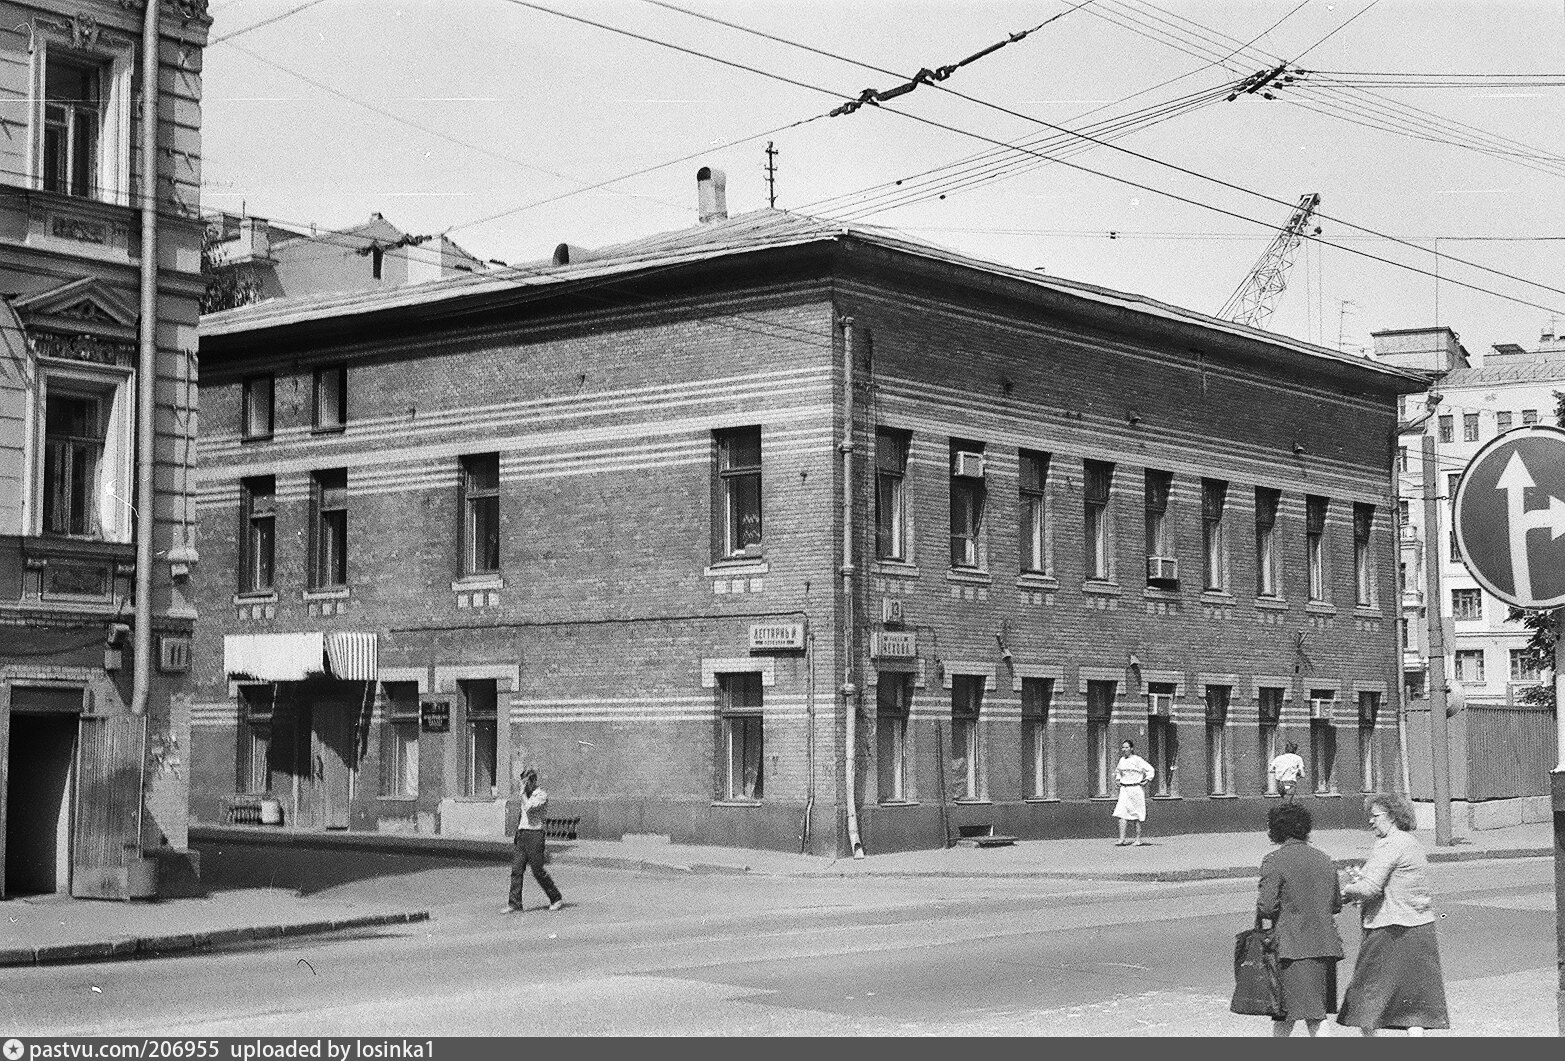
{"points": [[1287, 789], [529, 852]]}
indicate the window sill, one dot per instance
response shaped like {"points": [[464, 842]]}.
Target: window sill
{"points": [[895, 568], [736, 803], [1222, 795], [1041, 799], [971, 575], [1316, 607], [1104, 589], [478, 799], [1216, 596], [1369, 611], [1163, 593], [738, 565], [1271, 604], [396, 799], [266, 596], [331, 430], [325, 593], [471, 582], [1327, 795], [898, 803], [255, 438], [1036, 580], [973, 802], [1164, 799]]}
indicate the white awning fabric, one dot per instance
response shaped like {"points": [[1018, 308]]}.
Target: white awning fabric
{"points": [[351, 656]]}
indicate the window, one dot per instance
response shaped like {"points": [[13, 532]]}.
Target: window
{"points": [[1214, 542], [891, 508], [893, 700], [1033, 512], [1466, 604], [481, 732], [258, 407], [1469, 427], [1219, 756], [1160, 537], [1266, 502], [1502, 422], [256, 767], [1529, 416], [1100, 753], [967, 504], [481, 514], [75, 431], [1269, 714], [377, 261], [966, 780], [1323, 753], [258, 546], [1369, 765], [1403, 512], [1363, 559], [399, 742], [741, 772], [1037, 748], [1446, 429], [1469, 665], [739, 492], [72, 127], [1401, 458], [1525, 666], [1097, 479], [1315, 545], [329, 566], [1163, 742], [331, 398]]}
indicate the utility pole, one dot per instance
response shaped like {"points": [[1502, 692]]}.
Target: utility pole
{"points": [[1557, 798], [771, 175], [1440, 749]]}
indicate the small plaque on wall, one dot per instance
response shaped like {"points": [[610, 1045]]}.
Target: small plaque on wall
{"points": [[434, 715]]}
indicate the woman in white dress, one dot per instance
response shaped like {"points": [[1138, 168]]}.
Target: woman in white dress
{"points": [[1132, 772]]}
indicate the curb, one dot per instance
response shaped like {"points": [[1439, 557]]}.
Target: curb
{"points": [[180, 942]]}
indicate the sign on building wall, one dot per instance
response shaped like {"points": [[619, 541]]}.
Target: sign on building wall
{"points": [[434, 715], [776, 636], [890, 644]]}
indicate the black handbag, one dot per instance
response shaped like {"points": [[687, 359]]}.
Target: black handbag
{"points": [[1257, 976]]}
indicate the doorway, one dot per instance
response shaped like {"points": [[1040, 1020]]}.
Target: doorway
{"points": [[40, 764], [325, 756]]}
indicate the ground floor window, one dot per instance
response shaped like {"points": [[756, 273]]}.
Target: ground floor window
{"points": [[1101, 754], [1037, 748], [742, 771], [1163, 747], [256, 739], [1219, 755], [893, 699], [967, 691], [399, 742], [1323, 756], [482, 731], [1369, 765], [1269, 713]]}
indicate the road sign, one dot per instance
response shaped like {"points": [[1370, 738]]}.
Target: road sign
{"points": [[1509, 514]]}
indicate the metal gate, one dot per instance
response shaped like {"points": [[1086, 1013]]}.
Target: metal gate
{"points": [[110, 759]]}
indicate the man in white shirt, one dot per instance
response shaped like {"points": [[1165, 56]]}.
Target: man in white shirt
{"points": [[1286, 770]]}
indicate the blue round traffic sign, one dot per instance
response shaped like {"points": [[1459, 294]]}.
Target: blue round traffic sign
{"points": [[1509, 515]]}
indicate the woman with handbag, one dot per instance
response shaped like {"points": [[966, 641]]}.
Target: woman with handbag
{"points": [[1397, 982], [1301, 898]]}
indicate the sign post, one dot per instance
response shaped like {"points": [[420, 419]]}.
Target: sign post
{"points": [[1510, 524]]}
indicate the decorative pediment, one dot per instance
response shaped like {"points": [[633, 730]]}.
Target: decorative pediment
{"points": [[82, 307]]}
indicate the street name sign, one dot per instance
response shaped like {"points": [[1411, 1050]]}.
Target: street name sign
{"points": [[1509, 515]]}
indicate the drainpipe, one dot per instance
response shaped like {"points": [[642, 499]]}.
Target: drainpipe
{"points": [[1407, 427], [849, 688], [146, 367]]}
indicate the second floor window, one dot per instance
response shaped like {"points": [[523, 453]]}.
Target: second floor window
{"points": [[1529, 416], [1469, 665], [1525, 666], [257, 412], [1469, 427], [73, 128], [1502, 422], [331, 398], [1315, 545], [260, 534], [1446, 429], [74, 435], [1160, 534], [967, 503], [739, 491], [329, 555], [1097, 480], [1266, 503], [1214, 541], [481, 514], [1466, 604], [1363, 566], [1032, 478], [891, 512]]}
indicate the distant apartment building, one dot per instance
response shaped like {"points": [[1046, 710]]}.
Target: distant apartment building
{"points": [[781, 533], [97, 424]]}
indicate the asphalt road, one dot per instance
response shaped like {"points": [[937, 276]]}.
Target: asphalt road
{"points": [[667, 954]]}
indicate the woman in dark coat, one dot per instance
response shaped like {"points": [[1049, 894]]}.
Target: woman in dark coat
{"points": [[1301, 897]]}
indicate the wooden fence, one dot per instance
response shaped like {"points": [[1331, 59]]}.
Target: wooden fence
{"points": [[1498, 751]]}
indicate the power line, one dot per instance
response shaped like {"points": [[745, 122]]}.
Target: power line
{"points": [[264, 22]]}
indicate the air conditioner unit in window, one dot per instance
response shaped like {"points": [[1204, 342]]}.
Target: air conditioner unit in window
{"points": [[968, 465], [1160, 705], [1162, 569], [1321, 707]]}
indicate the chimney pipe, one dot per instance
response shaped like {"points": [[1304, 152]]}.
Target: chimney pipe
{"points": [[712, 194]]}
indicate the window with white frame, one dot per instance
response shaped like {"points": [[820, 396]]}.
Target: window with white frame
{"points": [[1219, 753], [258, 496], [256, 743], [1214, 539], [967, 504], [1100, 751], [1401, 458], [1037, 748], [481, 514], [1323, 756], [893, 702], [1159, 524], [399, 742], [1467, 604], [329, 555], [1363, 557], [1163, 740], [256, 414], [738, 502], [1469, 665], [891, 507], [967, 694], [1469, 427], [79, 142], [331, 398], [1269, 721], [1033, 511], [481, 702], [1315, 546], [75, 430], [1445, 427], [1525, 666], [1369, 760], [1097, 482], [77, 478], [741, 772], [1266, 505]]}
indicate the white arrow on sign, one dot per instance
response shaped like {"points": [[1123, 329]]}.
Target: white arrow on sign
{"points": [[1515, 481]]}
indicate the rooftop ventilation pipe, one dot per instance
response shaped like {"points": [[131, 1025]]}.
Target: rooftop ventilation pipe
{"points": [[712, 194]]}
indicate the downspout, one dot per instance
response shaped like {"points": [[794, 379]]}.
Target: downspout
{"points": [[145, 511], [849, 688], [1406, 427], [809, 741]]}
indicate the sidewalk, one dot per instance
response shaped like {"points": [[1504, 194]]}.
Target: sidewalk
{"points": [[51, 929]]}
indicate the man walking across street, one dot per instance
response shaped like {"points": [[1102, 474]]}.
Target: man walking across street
{"points": [[529, 847], [1286, 770]]}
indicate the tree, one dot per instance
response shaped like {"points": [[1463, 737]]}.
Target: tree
{"points": [[226, 287]]}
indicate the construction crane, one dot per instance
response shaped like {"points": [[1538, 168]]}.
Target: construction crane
{"points": [[1254, 299]]}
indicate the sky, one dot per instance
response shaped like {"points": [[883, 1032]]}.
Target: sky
{"points": [[1099, 147]]}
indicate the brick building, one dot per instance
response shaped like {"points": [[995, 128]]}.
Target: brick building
{"points": [[591, 516], [98, 310]]}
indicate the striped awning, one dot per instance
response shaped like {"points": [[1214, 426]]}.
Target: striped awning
{"points": [[348, 655], [353, 655]]}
